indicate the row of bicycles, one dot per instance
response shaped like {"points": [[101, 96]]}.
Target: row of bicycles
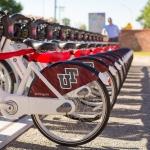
{"points": [[67, 79]]}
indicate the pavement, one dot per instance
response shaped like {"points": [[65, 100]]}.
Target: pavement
{"points": [[129, 124]]}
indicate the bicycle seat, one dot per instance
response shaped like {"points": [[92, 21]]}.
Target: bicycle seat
{"points": [[91, 45], [81, 45], [65, 45], [40, 45]]}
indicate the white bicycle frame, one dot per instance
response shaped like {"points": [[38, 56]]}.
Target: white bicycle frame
{"points": [[15, 105], [19, 66], [16, 63], [11, 46], [24, 106]]}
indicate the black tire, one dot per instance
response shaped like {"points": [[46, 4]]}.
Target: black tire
{"points": [[118, 79], [5, 68], [114, 98], [96, 64]]}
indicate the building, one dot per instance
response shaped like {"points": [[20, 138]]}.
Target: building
{"points": [[96, 22]]}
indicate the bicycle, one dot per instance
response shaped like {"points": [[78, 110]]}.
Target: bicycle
{"points": [[16, 105], [59, 91], [34, 26]]}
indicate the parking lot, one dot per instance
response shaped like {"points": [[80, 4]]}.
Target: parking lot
{"points": [[128, 126]]}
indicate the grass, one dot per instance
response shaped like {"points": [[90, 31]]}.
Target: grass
{"points": [[142, 53]]}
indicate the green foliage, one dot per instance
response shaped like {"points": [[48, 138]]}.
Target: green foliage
{"points": [[11, 6], [144, 18], [66, 21]]}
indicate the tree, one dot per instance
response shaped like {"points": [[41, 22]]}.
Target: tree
{"points": [[144, 18], [83, 27], [11, 6], [66, 21]]}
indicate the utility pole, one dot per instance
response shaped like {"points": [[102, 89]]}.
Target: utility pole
{"points": [[55, 10], [44, 3]]}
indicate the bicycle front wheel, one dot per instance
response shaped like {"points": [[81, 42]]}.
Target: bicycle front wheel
{"points": [[87, 122], [7, 77]]}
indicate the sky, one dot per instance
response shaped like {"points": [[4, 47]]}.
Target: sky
{"points": [[121, 11]]}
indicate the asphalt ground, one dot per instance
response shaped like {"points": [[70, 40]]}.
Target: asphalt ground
{"points": [[129, 124]]}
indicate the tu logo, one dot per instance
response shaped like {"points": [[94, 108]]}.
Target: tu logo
{"points": [[68, 78]]}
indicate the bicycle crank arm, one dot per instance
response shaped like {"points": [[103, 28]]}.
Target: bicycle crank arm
{"points": [[17, 106]]}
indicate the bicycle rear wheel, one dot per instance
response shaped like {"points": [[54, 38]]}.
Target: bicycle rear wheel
{"points": [[101, 67], [86, 122]]}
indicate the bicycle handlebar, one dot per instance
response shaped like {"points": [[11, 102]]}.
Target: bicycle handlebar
{"points": [[34, 28], [12, 25], [17, 17], [15, 25]]}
